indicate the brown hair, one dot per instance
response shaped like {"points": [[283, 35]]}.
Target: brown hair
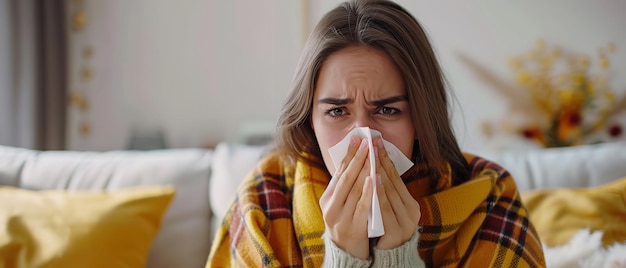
{"points": [[389, 27]]}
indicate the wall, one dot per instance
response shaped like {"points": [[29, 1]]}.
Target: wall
{"points": [[194, 70], [198, 70]]}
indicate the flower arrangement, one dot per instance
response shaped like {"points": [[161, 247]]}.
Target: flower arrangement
{"points": [[565, 98]]}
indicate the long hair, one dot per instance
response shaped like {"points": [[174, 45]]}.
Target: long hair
{"points": [[386, 26]]}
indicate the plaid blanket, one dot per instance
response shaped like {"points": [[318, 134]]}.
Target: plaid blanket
{"points": [[276, 220]]}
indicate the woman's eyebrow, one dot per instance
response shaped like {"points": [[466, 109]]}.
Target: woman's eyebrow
{"points": [[381, 102], [335, 101]]}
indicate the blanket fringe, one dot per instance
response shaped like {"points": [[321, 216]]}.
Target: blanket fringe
{"points": [[585, 250]]}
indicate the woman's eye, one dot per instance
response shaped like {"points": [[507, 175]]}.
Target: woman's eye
{"points": [[388, 111], [336, 112]]}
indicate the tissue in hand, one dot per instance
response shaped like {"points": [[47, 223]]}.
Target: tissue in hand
{"points": [[401, 162]]}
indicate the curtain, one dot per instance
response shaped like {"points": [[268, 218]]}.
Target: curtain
{"points": [[52, 97], [33, 79]]}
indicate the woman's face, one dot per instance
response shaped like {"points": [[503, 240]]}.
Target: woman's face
{"points": [[360, 87]]}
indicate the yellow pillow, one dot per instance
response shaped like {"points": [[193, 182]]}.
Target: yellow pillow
{"points": [[559, 213], [79, 228]]}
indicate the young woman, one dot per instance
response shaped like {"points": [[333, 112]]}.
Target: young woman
{"points": [[370, 64]]}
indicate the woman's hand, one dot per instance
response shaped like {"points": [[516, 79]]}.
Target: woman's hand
{"points": [[347, 201], [400, 211]]}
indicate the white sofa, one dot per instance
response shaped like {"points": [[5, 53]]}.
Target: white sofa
{"points": [[184, 236], [206, 181]]}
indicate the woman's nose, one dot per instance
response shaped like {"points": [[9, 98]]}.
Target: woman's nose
{"points": [[362, 120]]}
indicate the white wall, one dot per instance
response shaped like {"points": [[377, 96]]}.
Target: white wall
{"points": [[198, 69], [195, 69]]}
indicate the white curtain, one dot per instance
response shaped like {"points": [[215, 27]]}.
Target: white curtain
{"points": [[32, 74]]}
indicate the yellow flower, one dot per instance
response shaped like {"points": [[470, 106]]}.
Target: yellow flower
{"points": [[524, 78], [590, 88], [610, 96], [604, 63], [571, 99], [546, 62], [585, 62], [85, 129], [579, 79], [566, 96], [611, 47]]}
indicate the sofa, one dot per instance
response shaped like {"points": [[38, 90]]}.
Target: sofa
{"points": [[202, 184]]}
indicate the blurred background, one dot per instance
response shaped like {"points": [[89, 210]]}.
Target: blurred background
{"points": [[146, 74]]}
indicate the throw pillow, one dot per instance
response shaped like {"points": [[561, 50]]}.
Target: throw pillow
{"points": [[231, 163], [558, 214], [62, 228]]}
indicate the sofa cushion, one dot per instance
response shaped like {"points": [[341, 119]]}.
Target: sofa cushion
{"points": [[578, 166], [184, 237], [59, 228], [231, 163]]}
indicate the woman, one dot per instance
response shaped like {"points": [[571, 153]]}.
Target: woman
{"points": [[370, 64]]}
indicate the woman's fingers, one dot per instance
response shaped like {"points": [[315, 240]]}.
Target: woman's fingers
{"points": [[356, 192], [400, 215], [347, 200], [409, 202], [345, 188], [390, 169], [332, 184], [391, 205], [365, 202], [386, 208], [352, 234], [349, 176], [397, 213]]}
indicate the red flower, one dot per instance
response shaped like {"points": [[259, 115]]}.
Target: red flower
{"points": [[573, 118], [615, 131], [569, 124], [533, 133]]}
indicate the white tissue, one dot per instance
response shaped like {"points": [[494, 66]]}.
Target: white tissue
{"points": [[401, 162]]}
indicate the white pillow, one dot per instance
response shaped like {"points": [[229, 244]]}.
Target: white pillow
{"points": [[231, 163]]}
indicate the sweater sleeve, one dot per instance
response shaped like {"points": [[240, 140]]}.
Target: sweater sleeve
{"points": [[337, 257], [406, 255]]}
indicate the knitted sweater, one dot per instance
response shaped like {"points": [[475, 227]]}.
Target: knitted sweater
{"points": [[403, 256]]}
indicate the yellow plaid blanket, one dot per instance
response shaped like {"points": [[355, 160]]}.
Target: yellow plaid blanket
{"points": [[276, 220]]}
